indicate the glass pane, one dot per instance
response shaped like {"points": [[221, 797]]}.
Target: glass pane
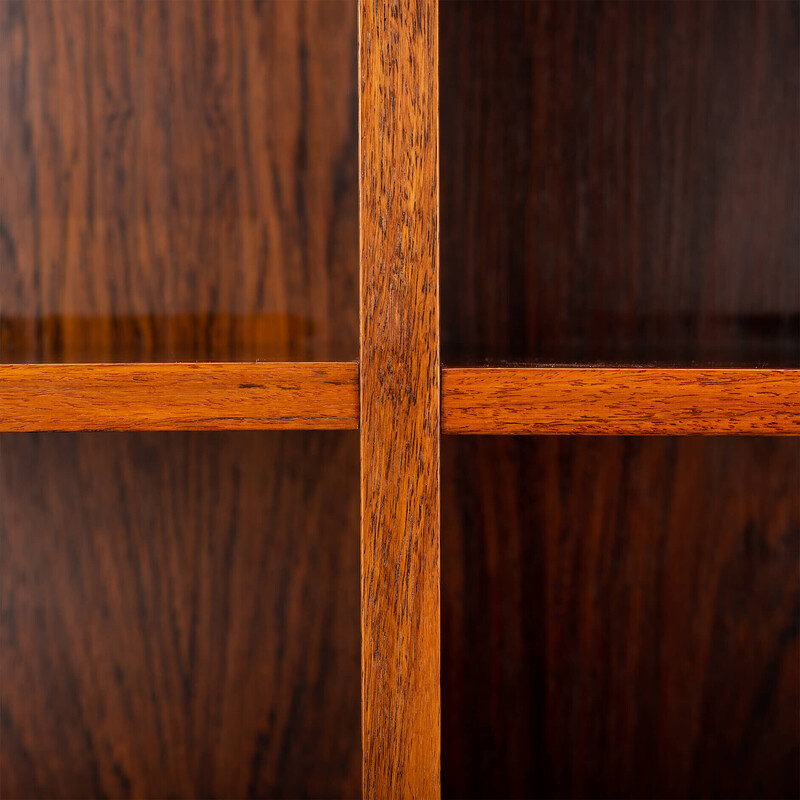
{"points": [[179, 615], [179, 180], [620, 182], [620, 617]]}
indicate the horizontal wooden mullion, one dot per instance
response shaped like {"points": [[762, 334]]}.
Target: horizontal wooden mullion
{"points": [[587, 400], [324, 395], [202, 396]]}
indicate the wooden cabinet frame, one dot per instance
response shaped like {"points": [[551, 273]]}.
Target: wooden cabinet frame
{"points": [[399, 397]]}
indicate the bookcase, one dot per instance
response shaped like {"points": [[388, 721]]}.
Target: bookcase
{"points": [[399, 399]]}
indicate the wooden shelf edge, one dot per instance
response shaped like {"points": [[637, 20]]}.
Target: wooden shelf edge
{"points": [[586, 400], [196, 396]]}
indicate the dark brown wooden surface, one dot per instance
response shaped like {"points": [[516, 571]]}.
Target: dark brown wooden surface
{"points": [[204, 396], [399, 425], [621, 182], [620, 185], [179, 181], [620, 617], [179, 615], [622, 401]]}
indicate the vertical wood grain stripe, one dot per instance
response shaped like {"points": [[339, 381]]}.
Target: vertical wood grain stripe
{"points": [[400, 425], [567, 400]]}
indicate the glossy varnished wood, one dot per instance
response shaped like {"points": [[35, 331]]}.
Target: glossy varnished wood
{"points": [[620, 617], [621, 182], [179, 612], [179, 180], [619, 185], [399, 398], [179, 615], [152, 397], [622, 401]]}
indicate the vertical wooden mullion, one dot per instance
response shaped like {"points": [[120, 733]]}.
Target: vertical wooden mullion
{"points": [[399, 416]]}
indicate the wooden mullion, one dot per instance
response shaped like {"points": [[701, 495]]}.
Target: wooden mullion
{"points": [[599, 400], [399, 417], [172, 397]]}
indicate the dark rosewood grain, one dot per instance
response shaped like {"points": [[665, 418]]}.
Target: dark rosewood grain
{"points": [[179, 181], [179, 615], [398, 51], [620, 617], [151, 397], [621, 182], [620, 185], [179, 611], [623, 401]]}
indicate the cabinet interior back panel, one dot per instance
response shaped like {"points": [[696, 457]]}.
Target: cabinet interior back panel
{"points": [[621, 182], [179, 615], [620, 617], [179, 180]]}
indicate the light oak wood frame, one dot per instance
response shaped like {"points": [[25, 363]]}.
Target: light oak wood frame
{"points": [[402, 410]]}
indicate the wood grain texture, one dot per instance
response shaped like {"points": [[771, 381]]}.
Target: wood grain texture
{"points": [[620, 617], [621, 182], [619, 186], [179, 181], [620, 401], [153, 397], [179, 615], [398, 52]]}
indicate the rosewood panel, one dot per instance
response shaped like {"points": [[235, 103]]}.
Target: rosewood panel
{"points": [[179, 180], [620, 617], [179, 615], [621, 182]]}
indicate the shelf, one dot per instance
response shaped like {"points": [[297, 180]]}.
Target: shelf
{"points": [[212, 337], [160, 397], [555, 400], [769, 341]]}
